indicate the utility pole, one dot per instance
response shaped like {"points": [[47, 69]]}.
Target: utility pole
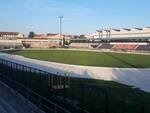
{"points": [[61, 17]]}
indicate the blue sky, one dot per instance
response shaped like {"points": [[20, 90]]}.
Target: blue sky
{"points": [[80, 16]]}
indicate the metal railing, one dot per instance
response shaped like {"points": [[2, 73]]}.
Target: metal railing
{"points": [[54, 93], [42, 102]]}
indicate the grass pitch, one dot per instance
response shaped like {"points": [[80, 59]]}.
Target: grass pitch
{"points": [[87, 58]]}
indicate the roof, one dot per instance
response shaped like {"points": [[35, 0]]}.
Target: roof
{"points": [[35, 38], [40, 35], [99, 30], [9, 33], [116, 30], [147, 27], [127, 29], [138, 28], [52, 34]]}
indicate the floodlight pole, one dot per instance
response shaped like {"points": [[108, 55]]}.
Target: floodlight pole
{"points": [[61, 17], [109, 34]]}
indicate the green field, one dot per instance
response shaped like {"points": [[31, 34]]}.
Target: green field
{"points": [[87, 58]]}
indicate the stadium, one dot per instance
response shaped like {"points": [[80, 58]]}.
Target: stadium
{"points": [[104, 72], [74, 56]]}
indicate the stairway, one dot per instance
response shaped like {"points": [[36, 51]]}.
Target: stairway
{"points": [[9, 103]]}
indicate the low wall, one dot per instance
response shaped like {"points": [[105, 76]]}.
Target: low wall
{"points": [[139, 78], [129, 43]]}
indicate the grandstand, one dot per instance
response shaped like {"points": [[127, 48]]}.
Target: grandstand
{"points": [[125, 46], [143, 47], [122, 33], [105, 46], [117, 45], [137, 39], [82, 45]]}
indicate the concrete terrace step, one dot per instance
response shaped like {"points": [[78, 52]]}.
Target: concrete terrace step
{"points": [[5, 107], [10, 103], [2, 110]]}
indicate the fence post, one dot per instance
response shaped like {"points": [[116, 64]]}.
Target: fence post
{"points": [[39, 104], [64, 92], [142, 110], [28, 73], [39, 83], [82, 97], [55, 110], [51, 85], [28, 96], [29, 77], [72, 91], [123, 103], [106, 101]]}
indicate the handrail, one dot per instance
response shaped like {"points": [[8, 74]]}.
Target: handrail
{"points": [[53, 79], [31, 91]]}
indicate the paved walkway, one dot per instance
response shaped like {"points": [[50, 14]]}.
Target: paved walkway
{"points": [[9, 103]]}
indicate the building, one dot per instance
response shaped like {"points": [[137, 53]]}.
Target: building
{"points": [[122, 33], [10, 35], [40, 36], [52, 36], [45, 41], [11, 40], [55, 36]]}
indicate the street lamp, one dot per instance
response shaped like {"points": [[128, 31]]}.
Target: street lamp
{"points": [[61, 17]]}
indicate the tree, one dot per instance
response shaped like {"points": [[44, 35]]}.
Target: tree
{"points": [[64, 41], [31, 34]]}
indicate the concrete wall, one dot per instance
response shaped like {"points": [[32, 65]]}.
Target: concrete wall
{"points": [[10, 43], [41, 43]]}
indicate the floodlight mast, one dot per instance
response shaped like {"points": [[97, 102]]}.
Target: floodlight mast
{"points": [[61, 17]]}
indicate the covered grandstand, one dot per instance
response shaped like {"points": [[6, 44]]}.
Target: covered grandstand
{"points": [[121, 33], [119, 44], [137, 39]]}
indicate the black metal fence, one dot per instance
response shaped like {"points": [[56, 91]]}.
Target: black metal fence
{"points": [[55, 93]]}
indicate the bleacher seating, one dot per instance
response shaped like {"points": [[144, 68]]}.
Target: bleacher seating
{"points": [[143, 47], [80, 45], [124, 47], [105, 46]]}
